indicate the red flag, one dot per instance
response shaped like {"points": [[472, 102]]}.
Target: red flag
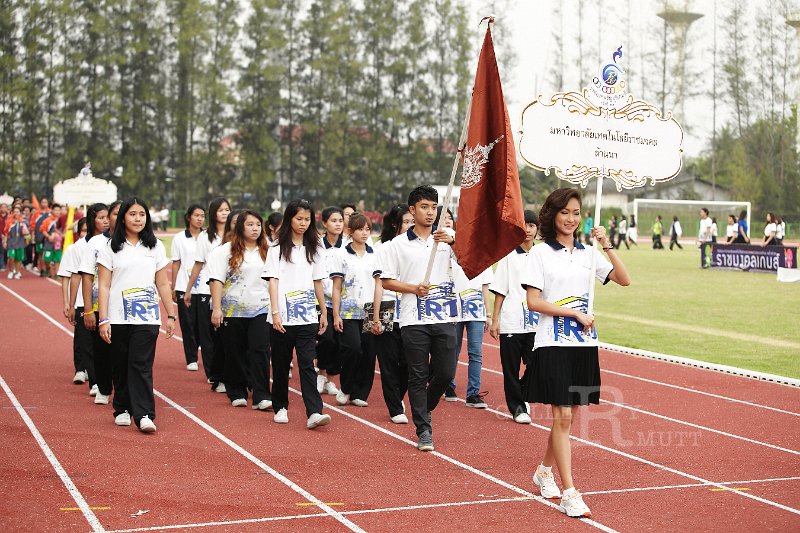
{"points": [[491, 221]]}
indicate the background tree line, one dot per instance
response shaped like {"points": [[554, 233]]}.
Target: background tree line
{"points": [[180, 100]]}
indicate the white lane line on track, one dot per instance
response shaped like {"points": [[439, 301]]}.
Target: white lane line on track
{"points": [[654, 464], [678, 387], [54, 462], [319, 515], [82, 503], [263, 466], [693, 485]]}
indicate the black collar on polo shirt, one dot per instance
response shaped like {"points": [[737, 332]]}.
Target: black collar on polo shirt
{"points": [[188, 233], [327, 245], [521, 250], [555, 245], [350, 250], [412, 235]]}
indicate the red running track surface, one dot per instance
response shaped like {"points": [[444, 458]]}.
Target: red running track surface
{"points": [[679, 448]]}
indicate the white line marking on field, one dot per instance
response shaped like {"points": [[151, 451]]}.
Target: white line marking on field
{"points": [[778, 343], [54, 462], [678, 387]]}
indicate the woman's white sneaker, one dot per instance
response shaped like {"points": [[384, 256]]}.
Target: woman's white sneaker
{"points": [[330, 389], [321, 381], [572, 504], [239, 402], [281, 417], [546, 482], [342, 398], [522, 418], [263, 405], [192, 367], [93, 391], [317, 419], [400, 419], [101, 398]]}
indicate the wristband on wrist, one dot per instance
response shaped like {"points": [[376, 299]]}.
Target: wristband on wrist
{"points": [[171, 316], [275, 312], [103, 321]]}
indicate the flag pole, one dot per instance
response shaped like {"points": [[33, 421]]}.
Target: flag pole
{"points": [[462, 141]]}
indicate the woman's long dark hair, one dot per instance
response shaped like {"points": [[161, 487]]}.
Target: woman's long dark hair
{"points": [[213, 207], [556, 201], [392, 221], [190, 211], [237, 240], [310, 237], [147, 236], [91, 216]]}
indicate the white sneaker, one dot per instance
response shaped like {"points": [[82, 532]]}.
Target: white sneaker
{"points": [[220, 388], [239, 402], [18, 275], [79, 378], [316, 420], [321, 381], [400, 419], [522, 418], [359, 403], [94, 390], [146, 425], [123, 419], [290, 374], [101, 398], [330, 388], [10, 274], [281, 417], [572, 504], [546, 482], [192, 367], [263, 405], [342, 398]]}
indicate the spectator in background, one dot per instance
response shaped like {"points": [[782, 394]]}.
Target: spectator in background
{"points": [[612, 229], [623, 233], [588, 223], [274, 221], [770, 230], [675, 233], [704, 235], [164, 215], [347, 210], [633, 232], [658, 230], [731, 230], [780, 231], [742, 231], [714, 229], [3, 218]]}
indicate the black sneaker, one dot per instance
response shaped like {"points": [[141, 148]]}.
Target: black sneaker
{"points": [[425, 443], [476, 401], [450, 395]]}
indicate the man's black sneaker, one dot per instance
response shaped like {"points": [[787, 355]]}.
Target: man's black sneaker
{"points": [[476, 401], [450, 395]]}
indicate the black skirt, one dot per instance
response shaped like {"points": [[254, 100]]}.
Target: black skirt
{"points": [[563, 376]]}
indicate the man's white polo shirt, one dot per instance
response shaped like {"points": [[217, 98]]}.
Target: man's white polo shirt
{"points": [[406, 260]]}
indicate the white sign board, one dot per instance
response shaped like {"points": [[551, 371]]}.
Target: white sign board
{"points": [[571, 136], [84, 189]]}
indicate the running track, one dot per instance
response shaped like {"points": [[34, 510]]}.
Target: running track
{"points": [[671, 447]]}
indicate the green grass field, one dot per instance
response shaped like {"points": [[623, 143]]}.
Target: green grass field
{"points": [[742, 319], [672, 306]]}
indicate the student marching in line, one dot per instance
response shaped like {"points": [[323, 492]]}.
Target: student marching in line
{"points": [[565, 372], [132, 272], [513, 324], [328, 346], [295, 272], [472, 297], [51, 246], [240, 299], [101, 221], [16, 236], [72, 299], [274, 221], [194, 330], [353, 272], [388, 343], [347, 211], [427, 308], [218, 213]]}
